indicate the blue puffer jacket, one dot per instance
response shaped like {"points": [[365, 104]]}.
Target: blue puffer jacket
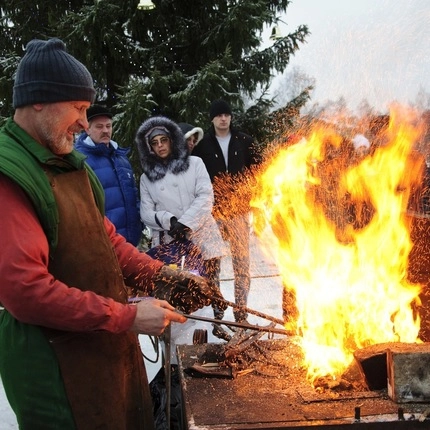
{"points": [[113, 168]]}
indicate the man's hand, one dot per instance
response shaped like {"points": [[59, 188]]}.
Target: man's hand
{"points": [[153, 316], [185, 291]]}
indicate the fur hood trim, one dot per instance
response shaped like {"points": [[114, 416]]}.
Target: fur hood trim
{"points": [[189, 130], [154, 167]]}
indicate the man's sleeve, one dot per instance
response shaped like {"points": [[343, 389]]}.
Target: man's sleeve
{"points": [[29, 292]]}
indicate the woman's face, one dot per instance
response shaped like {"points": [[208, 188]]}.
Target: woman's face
{"points": [[161, 145], [191, 142]]}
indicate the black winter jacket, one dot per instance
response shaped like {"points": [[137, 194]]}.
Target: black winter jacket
{"points": [[242, 153], [230, 183]]}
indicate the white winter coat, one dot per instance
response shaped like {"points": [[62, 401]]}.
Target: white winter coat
{"points": [[188, 196]]}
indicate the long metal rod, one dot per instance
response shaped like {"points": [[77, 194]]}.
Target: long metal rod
{"points": [[236, 324], [228, 303], [253, 312]]}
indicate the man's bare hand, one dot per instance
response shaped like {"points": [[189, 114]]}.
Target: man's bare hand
{"points": [[153, 316]]}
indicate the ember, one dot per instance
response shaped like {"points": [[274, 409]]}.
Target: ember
{"points": [[345, 278]]}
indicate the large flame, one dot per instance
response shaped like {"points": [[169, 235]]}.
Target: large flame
{"points": [[339, 234]]}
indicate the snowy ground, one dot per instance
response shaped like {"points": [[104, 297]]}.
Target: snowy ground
{"points": [[265, 296]]}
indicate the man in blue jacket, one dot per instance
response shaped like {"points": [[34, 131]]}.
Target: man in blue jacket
{"points": [[111, 164]]}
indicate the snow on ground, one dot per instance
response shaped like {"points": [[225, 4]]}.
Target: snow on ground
{"points": [[265, 296]]}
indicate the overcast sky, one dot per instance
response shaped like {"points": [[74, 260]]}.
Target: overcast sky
{"points": [[377, 50]]}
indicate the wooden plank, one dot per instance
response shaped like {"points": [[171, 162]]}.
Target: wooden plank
{"points": [[372, 362]]}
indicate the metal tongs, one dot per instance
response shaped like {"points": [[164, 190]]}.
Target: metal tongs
{"points": [[269, 329]]}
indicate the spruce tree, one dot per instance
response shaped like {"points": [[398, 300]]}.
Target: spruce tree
{"points": [[171, 60]]}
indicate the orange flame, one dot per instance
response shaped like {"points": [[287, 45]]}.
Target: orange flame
{"points": [[339, 234]]}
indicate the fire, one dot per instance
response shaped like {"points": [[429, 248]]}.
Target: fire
{"points": [[344, 274]]}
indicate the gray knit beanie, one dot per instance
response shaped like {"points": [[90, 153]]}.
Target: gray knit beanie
{"points": [[48, 74]]}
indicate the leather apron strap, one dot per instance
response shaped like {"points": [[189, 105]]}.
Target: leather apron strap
{"points": [[104, 373]]}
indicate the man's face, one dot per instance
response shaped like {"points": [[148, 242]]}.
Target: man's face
{"points": [[222, 122], [100, 129], [57, 124]]}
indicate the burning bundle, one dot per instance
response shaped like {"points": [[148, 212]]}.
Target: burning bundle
{"points": [[339, 231]]}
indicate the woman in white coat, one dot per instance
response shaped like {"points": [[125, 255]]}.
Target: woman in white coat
{"points": [[176, 195]]}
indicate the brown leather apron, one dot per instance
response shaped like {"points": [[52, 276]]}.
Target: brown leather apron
{"points": [[104, 373]]}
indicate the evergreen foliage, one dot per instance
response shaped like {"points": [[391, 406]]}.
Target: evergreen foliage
{"points": [[171, 60]]}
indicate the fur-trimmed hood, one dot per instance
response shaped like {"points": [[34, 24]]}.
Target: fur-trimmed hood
{"points": [[153, 166]]}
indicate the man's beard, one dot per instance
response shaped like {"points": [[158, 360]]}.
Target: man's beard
{"points": [[59, 143], [64, 145]]}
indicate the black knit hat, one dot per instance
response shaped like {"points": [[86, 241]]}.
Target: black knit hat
{"points": [[48, 74], [219, 107], [98, 110]]}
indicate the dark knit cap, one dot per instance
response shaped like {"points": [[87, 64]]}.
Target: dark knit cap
{"points": [[48, 74], [98, 110], [219, 107]]}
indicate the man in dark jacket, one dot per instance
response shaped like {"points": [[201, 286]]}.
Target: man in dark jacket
{"points": [[229, 154], [111, 165]]}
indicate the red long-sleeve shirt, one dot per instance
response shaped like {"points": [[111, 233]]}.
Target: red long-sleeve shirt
{"points": [[32, 295]]}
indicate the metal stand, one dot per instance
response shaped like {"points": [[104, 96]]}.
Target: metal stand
{"points": [[168, 370]]}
